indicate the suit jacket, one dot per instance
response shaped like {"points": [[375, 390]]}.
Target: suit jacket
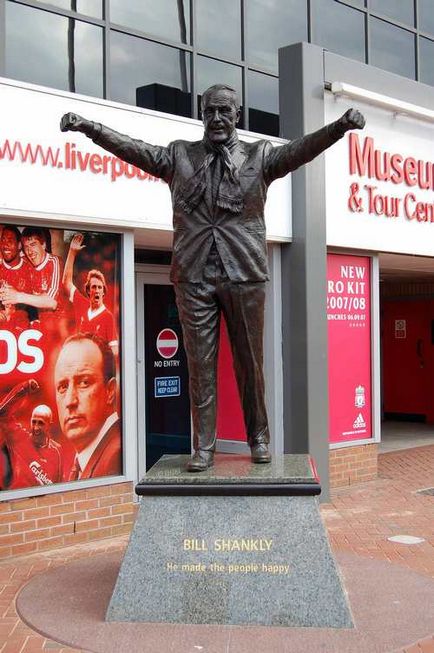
{"points": [[239, 238], [106, 460]]}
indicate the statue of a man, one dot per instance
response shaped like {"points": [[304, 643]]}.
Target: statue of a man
{"points": [[219, 262]]}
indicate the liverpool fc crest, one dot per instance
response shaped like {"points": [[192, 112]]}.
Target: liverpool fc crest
{"points": [[359, 397]]}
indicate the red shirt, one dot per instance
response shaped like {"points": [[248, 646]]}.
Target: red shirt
{"points": [[46, 277], [33, 465], [46, 280], [100, 322], [17, 276], [17, 320]]}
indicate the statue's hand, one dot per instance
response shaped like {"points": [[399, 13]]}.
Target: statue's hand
{"points": [[73, 122], [352, 119]]}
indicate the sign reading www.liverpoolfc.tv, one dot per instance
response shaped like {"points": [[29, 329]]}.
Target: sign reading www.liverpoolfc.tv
{"points": [[66, 174], [60, 417], [380, 182]]}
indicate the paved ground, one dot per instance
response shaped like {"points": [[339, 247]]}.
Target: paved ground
{"points": [[405, 435], [359, 521]]}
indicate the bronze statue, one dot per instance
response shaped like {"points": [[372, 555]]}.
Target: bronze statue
{"points": [[219, 261]]}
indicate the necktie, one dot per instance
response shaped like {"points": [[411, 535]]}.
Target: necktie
{"points": [[74, 474], [226, 185], [216, 174]]}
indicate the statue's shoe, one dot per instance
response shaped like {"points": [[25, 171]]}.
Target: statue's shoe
{"points": [[260, 453], [200, 461]]}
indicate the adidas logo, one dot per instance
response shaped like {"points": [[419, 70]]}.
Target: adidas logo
{"points": [[359, 422]]}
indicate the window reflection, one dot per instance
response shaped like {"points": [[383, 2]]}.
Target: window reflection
{"points": [[426, 16], [167, 18], [149, 75], [87, 7], [263, 103], [210, 71], [392, 48], [339, 28], [71, 59], [224, 41], [426, 55], [401, 10], [272, 24]]}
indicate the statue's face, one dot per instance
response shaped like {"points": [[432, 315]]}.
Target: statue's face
{"points": [[220, 115]]}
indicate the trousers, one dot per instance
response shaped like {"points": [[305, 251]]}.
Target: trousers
{"points": [[200, 306]]}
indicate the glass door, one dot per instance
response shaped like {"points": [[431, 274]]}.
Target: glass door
{"points": [[163, 400]]}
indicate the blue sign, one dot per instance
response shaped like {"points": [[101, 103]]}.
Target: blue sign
{"points": [[167, 386]]}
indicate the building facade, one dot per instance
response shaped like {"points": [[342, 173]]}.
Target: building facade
{"points": [[163, 57], [348, 309]]}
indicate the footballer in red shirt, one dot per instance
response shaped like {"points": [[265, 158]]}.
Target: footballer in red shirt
{"points": [[35, 458], [91, 315], [15, 273], [45, 279]]}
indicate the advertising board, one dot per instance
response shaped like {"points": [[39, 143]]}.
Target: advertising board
{"points": [[60, 410]]}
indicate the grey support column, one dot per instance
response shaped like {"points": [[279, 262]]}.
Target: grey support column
{"points": [[304, 321]]}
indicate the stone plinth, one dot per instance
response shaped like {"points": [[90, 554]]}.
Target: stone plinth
{"points": [[237, 544]]}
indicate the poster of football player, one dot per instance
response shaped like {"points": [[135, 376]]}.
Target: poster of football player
{"points": [[60, 411]]}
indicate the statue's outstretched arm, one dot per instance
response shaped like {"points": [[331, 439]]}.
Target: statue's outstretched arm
{"points": [[155, 159], [292, 155]]}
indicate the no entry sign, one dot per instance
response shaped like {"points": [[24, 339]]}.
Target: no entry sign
{"points": [[167, 343]]}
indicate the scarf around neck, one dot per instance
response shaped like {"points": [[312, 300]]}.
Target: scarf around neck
{"points": [[229, 196]]}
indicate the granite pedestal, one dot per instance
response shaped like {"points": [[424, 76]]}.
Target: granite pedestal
{"points": [[237, 544]]}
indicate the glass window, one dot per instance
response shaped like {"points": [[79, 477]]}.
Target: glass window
{"points": [[426, 16], [263, 93], [225, 41], [87, 7], [210, 71], [426, 54], [70, 59], [272, 24], [169, 19], [392, 48], [402, 10], [339, 28], [149, 75]]}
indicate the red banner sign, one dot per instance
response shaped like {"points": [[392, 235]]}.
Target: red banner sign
{"points": [[230, 419], [349, 347]]}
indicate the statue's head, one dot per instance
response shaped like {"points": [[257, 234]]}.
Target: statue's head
{"points": [[220, 112]]}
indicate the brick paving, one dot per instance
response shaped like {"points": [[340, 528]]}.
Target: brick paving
{"points": [[359, 520], [362, 517], [15, 636]]}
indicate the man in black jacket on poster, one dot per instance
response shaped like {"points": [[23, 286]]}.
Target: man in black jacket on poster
{"points": [[219, 262]]}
